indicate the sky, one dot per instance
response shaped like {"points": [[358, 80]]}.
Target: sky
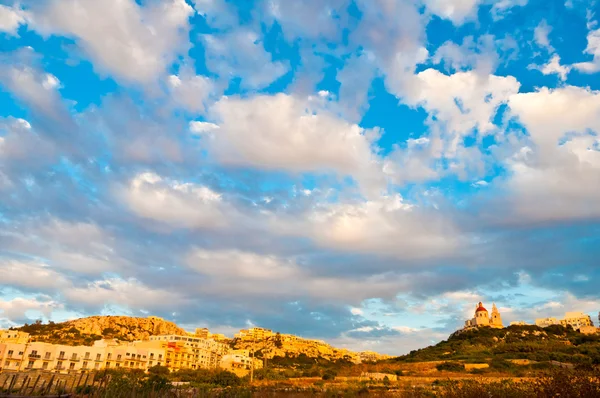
{"points": [[358, 171]]}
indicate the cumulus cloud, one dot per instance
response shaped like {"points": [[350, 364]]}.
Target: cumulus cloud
{"points": [[131, 42], [174, 203], [235, 273], [65, 246], [241, 53], [386, 226], [554, 67], [593, 48], [458, 11], [191, 92], [556, 176], [541, 35], [129, 293], [32, 85], [289, 133], [15, 311], [11, 18]]}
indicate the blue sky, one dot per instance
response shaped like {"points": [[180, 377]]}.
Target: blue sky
{"points": [[357, 171]]}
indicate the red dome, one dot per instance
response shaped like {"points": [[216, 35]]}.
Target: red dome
{"points": [[480, 308]]}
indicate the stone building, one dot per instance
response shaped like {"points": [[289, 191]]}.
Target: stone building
{"points": [[482, 318]]}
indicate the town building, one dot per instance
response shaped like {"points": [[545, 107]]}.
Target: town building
{"points": [[545, 322], [576, 320], [240, 362], [518, 323], [482, 318], [207, 353]]}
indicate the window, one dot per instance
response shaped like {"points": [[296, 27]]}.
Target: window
{"points": [[118, 365], [150, 363], [72, 366], [97, 357], [47, 355], [20, 352], [84, 366], [59, 365], [61, 354], [30, 364], [33, 353], [87, 355], [45, 365], [97, 366], [7, 363], [10, 353], [73, 357], [109, 355], [119, 357]]}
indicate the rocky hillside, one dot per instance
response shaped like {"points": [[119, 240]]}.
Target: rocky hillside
{"points": [[279, 347], [85, 331]]}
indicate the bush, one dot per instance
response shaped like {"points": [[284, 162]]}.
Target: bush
{"points": [[329, 375], [225, 378], [450, 367], [159, 370]]}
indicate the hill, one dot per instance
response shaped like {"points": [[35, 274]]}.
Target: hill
{"points": [[85, 331], [502, 348]]}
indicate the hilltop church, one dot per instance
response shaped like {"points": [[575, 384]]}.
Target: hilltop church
{"points": [[482, 318]]}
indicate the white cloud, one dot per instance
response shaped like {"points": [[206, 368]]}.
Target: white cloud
{"points": [[130, 293], [33, 86], [387, 226], [191, 92], [11, 18], [311, 18], [134, 43], [241, 53], [290, 133], [65, 246], [16, 309], [554, 67], [233, 274], [175, 203], [458, 105], [480, 55], [540, 35], [31, 275], [458, 11], [558, 177], [593, 48]]}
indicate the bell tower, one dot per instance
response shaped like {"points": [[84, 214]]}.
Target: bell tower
{"points": [[496, 319]]}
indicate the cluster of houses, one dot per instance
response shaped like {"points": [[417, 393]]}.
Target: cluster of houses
{"points": [[19, 353]]}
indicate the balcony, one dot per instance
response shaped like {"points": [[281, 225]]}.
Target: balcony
{"points": [[36, 356], [75, 359], [59, 367]]}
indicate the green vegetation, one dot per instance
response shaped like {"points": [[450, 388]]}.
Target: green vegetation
{"points": [[496, 346], [63, 333]]}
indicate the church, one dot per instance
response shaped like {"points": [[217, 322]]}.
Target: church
{"points": [[482, 318]]}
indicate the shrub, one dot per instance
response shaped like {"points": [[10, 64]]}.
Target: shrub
{"points": [[159, 370], [450, 366], [329, 375]]}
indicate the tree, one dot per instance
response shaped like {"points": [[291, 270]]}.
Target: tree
{"points": [[159, 370]]}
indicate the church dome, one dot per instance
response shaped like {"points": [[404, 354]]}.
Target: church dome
{"points": [[480, 308]]}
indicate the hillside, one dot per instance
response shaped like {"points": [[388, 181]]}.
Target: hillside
{"points": [[530, 344], [85, 331]]}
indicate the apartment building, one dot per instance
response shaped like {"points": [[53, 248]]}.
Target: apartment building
{"points": [[238, 361], [545, 322], [577, 320], [206, 353]]}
